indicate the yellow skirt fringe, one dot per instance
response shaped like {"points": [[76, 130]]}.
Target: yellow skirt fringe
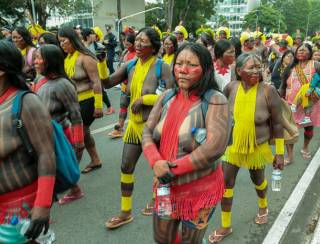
{"points": [[261, 156], [133, 134]]}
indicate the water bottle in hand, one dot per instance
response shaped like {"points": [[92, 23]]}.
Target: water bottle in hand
{"points": [[200, 135], [276, 180], [42, 238], [164, 200]]}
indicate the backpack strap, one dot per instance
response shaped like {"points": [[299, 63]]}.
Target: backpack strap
{"points": [[159, 68], [206, 100], [131, 64], [18, 124]]}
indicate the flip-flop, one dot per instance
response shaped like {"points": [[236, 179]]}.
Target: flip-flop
{"points": [[215, 238], [287, 162], [148, 210], [305, 155], [91, 167], [117, 221], [259, 218], [70, 198]]}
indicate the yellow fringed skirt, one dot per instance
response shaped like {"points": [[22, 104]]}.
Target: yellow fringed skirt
{"points": [[133, 134], [261, 156]]}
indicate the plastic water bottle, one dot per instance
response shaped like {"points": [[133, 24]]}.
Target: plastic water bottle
{"points": [[200, 135], [164, 200], [42, 238], [161, 87], [276, 180]]}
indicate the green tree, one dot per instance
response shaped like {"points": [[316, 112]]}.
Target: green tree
{"points": [[12, 12], [222, 21], [314, 23], [267, 18], [156, 17]]}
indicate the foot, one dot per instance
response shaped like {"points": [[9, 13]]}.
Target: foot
{"points": [[116, 134], [90, 167], [262, 216], [287, 161], [70, 197], [219, 234], [305, 153], [118, 221], [305, 121], [148, 210], [109, 111]]}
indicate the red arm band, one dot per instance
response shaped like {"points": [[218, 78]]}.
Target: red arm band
{"points": [[77, 133], [184, 166], [45, 191], [123, 110], [152, 154]]}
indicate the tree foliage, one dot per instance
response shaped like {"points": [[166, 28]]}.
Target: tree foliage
{"points": [[193, 13], [267, 18], [13, 12]]}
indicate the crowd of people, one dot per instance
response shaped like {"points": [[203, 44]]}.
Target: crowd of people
{"points": [[198, 111]]}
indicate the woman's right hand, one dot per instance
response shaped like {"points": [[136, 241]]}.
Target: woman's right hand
{"points": [[161, 168], [40, 217]]}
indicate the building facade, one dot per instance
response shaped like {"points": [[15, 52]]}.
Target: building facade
{"points": [[234, 12]]}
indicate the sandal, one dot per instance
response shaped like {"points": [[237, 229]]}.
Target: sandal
{"points": [[287, 161], [305, 155], [215, 237], [261, 219], [91, 167], [70, 197], [148, 210], [116, 134], [109, 111], [118, 221]]}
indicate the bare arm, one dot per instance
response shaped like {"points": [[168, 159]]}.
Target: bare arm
{"points": [[90, 66], [117, 77]]}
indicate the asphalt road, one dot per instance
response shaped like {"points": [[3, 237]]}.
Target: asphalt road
{"points": [[82, 222]]}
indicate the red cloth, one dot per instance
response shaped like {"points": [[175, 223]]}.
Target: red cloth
{"points": [[77, 134], [68, 133], [45, 191], [176, 114], [7, 94], [152, 154], [40, 83]]}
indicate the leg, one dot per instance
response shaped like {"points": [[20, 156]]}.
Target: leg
{"points": [[192, 236], [130, 157], [106, 100], [148, 209], [289, 159], [308, 134], [230, 174], [258, 178], [164, 231]]}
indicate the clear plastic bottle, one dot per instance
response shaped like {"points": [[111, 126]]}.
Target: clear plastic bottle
{"points": [[200, 135], [161, 87], [276, 180], [164, 200], [42, 238]]}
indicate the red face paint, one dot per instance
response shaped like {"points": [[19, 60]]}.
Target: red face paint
{"points": [[187, 70]]}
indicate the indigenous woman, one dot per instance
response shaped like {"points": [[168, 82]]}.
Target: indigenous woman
{"points": [[170, 47], [295, 80], [23, 40], [206, 39], [81, 67], [253, 105], [195, 177], [48, 38], [316, 54], [280, 66], [224, 64], [141, 91], [59, 95], [26, 182], [129, 54]]}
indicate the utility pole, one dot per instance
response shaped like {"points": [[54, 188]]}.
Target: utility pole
{"points": [[170, 13], [119, 15]]}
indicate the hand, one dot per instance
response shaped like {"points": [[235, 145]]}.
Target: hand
{"points": [[161, 168], [278, 162], [98, 113], [168, 177], [39, 220], [137, 106]]}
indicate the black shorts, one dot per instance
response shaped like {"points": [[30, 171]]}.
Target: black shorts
{"points": [[87, 111]]}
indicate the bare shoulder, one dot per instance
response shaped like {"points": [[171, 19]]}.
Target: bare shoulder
{"points": [[218, 98]]}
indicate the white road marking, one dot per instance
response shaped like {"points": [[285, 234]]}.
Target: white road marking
{"points": [[102, 129], [284, 218]]}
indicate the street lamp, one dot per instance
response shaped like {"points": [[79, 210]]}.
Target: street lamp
{"points": [[316, 10]]}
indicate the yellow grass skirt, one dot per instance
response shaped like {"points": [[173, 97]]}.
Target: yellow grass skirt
{"points": [[261, 156]]}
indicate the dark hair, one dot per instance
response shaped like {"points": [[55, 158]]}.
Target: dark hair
{"points": [[174, 41], [153, 37], [207, 81], [130, 37], [206, 39], [237, 45], [25, 34], [49, 38], [53, 60], [242, 60], [285, 54], [77, 44], [11, 62], [86, 32], [221, 47], [288, 70]]}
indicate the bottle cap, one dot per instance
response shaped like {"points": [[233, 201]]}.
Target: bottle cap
{"points": [[14, 220], [193, 130]]}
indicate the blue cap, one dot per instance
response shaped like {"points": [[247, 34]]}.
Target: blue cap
{"points": [[193, 130]]}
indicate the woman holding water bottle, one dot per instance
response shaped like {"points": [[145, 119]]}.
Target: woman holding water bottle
{"points": [[191, 180], [257, 118]]}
